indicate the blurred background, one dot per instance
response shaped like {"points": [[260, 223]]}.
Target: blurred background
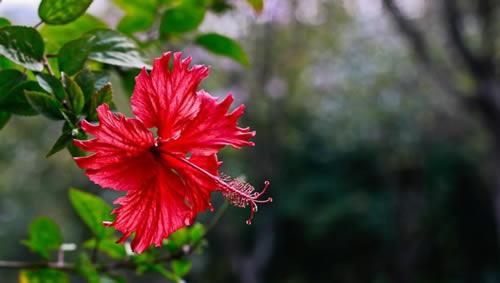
{"points": [[376, 126]]}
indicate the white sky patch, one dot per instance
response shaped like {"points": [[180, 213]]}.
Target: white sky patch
{"points": [[25, 12]]}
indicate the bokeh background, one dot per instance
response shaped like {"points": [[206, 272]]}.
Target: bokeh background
{"points": [[379, 171]]}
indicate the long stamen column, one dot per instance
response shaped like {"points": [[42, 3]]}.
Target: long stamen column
{"points": [[239, 193]]}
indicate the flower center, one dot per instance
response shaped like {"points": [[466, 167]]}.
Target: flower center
{"points": [[237, 192]]}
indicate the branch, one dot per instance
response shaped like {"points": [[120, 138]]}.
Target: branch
{"points": [[420, 47], [454, 26], [486, 11], [414, 36], [125, 264], [47, 66], [33, 265]]}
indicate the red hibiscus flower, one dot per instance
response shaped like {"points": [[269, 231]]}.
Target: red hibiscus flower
{"points": [[167, 178]]}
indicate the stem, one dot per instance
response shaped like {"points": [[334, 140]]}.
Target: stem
{"points": [[38, 24], [47, 66], [125, 264], [31, 265]]}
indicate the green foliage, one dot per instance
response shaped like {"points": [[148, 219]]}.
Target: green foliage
{"points": [[107, 246], [140, 15], [45, 104], [51, 85], [91, 81], [43, 275], [75, 95], [9, 78], [61, 70], [58, 12], [104, 95], [183, 18], [22, 45], [73, 55], [4, 118], [93, 211], [223, 45], [4, 22], [257, 5], [181, 267], [57, 36], [86, 269], [105, 46], [185, 236], [135, 22], [63, 141], [111, 47], [15, 101], [45, 236]]}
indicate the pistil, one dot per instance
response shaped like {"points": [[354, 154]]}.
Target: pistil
{"points": [[237, 192]]}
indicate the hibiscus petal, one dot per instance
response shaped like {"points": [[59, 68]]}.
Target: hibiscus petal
{"points": [[199, 185], [152, 212], [168, 97], [167, 202], [122, 159], [212, 128]]}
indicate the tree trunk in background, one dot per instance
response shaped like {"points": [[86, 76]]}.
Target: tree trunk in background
{"points": [[488, 95]]}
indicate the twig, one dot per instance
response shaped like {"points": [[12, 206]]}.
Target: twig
{"points": [[126, 264], [38, 24], [47, 66], [32, 265]]}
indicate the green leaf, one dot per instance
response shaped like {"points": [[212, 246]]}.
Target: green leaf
{"points": [[181, 267], [51, 85], [76, 133], [4, 22], [93, 211], [197, 231], [22, 45], [73, 55], [57, 36], [165, 273], [257, 5], [139, 15], [63, 140], [15, 101], [105, 46], [133, 5], [43, 275], [178, 239], [45, 236], [135, 22], [224, 46], [6, 63], [75, 95], [8, 80], [86, 269], [58, 12], [104, 95], [4, 118], [45, 104], [183, 18], [107, 246], [91, 81], [111, 47]]}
